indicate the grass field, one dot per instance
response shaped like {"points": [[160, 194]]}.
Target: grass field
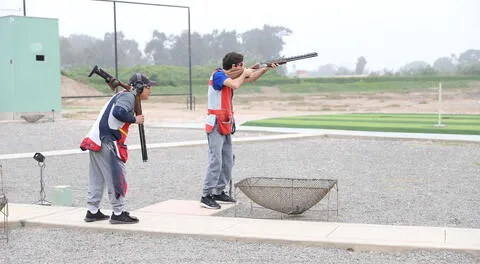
{"points": [[410, 123], [174, 80]]}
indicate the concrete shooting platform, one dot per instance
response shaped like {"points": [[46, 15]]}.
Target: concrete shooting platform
{"points": [[188, 218]]}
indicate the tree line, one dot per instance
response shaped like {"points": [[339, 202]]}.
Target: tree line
{"points": [[79, 50], [466, 63], [258, 44]]}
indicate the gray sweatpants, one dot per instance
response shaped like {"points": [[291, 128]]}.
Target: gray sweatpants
{"points": [[103, 164], [220, 162]]}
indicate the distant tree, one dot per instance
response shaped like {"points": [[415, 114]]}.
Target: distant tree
{"points": [[360, 67], [84, 50], [265, 43], [429, 70], [179, 49], [388, 72], [444, 65], [342, 70], [469, 62], [67, 54], [156, 49], [469, 57], [327, 70], [128, 53], [199, 49], [220, 43], [415, 68], [375, 73], [256, 44]]}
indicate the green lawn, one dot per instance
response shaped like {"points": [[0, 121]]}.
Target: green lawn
{"points": [[412, 123]]}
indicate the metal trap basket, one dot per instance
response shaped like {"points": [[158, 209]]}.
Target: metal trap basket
{"points": [[32, 118], [3, 204], [286, 195], [3, 201]]}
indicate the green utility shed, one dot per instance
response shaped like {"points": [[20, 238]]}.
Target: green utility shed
{"points": [[29, 66]]}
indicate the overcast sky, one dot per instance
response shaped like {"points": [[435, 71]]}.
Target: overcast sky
{"points": [[388, 33]]}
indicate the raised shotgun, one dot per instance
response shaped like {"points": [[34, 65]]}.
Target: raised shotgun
{"points": [[113, 83], [288, 59]]}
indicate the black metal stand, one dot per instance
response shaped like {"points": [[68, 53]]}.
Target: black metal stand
{"points": [[43, 196], [3, 204]]}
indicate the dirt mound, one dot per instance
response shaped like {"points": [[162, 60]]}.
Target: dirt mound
{"points": [[270, 90], [70, 87]]}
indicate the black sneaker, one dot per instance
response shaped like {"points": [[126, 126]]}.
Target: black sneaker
{"points": [[223, 198], [99, 216], [123, 218], [209, 202]]}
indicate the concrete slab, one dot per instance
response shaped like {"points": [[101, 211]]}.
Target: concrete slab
{"points": [[389, 236], [184, 224], [159, 218], [23, 212], [417, 234], [185, 207], [282, 229]]}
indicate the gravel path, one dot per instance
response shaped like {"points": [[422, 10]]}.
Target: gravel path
{"points": [[403, 182]]}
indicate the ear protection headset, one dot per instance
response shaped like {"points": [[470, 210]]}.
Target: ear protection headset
{"points": [[138, 85]]}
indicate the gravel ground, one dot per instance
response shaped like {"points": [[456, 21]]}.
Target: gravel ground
{"points": [[41, 245], [402, 182]]}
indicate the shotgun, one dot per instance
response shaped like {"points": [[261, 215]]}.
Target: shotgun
{"points": [[113, 83], [287, 59]]}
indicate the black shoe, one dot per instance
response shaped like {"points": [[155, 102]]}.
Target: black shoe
{"points": [[123, 218], [209, 202], [99, 216], [223, 198]]}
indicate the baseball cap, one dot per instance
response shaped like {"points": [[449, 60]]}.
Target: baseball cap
{"points": [[142, 78]]}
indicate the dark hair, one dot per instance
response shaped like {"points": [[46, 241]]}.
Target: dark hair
{"points": [[230, 59]]}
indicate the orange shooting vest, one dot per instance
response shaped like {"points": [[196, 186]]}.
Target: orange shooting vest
{"points": [[219, 108]]}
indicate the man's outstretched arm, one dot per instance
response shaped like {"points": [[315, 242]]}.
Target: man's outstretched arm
{"points": [[258, 73]]}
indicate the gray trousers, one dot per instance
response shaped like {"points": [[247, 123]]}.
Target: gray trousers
{"points": [[220, 162], [103, 164]]}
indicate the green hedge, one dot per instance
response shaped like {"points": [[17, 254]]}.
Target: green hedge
{"points": [[176, 78]]}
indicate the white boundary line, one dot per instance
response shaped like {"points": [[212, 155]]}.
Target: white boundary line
{"points": [[156, 145]]}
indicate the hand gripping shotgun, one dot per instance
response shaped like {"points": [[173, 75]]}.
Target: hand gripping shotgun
{"points": [[113, 83], [287, 59]]}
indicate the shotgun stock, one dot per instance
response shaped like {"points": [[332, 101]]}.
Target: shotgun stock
{"points": [[109, 79]]}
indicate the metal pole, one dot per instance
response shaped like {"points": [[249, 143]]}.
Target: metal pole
{"points": [[115, 37], [24, 9], [189, 63], [440, 103], [439, 122]]}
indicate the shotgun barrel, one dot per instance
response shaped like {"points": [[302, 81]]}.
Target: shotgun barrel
{"points": [[288, 59]]}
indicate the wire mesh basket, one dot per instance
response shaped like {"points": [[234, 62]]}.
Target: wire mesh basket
{"points": [[286, 195], [3, 195], [3, 204], [32, 118], [3, 201]]}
